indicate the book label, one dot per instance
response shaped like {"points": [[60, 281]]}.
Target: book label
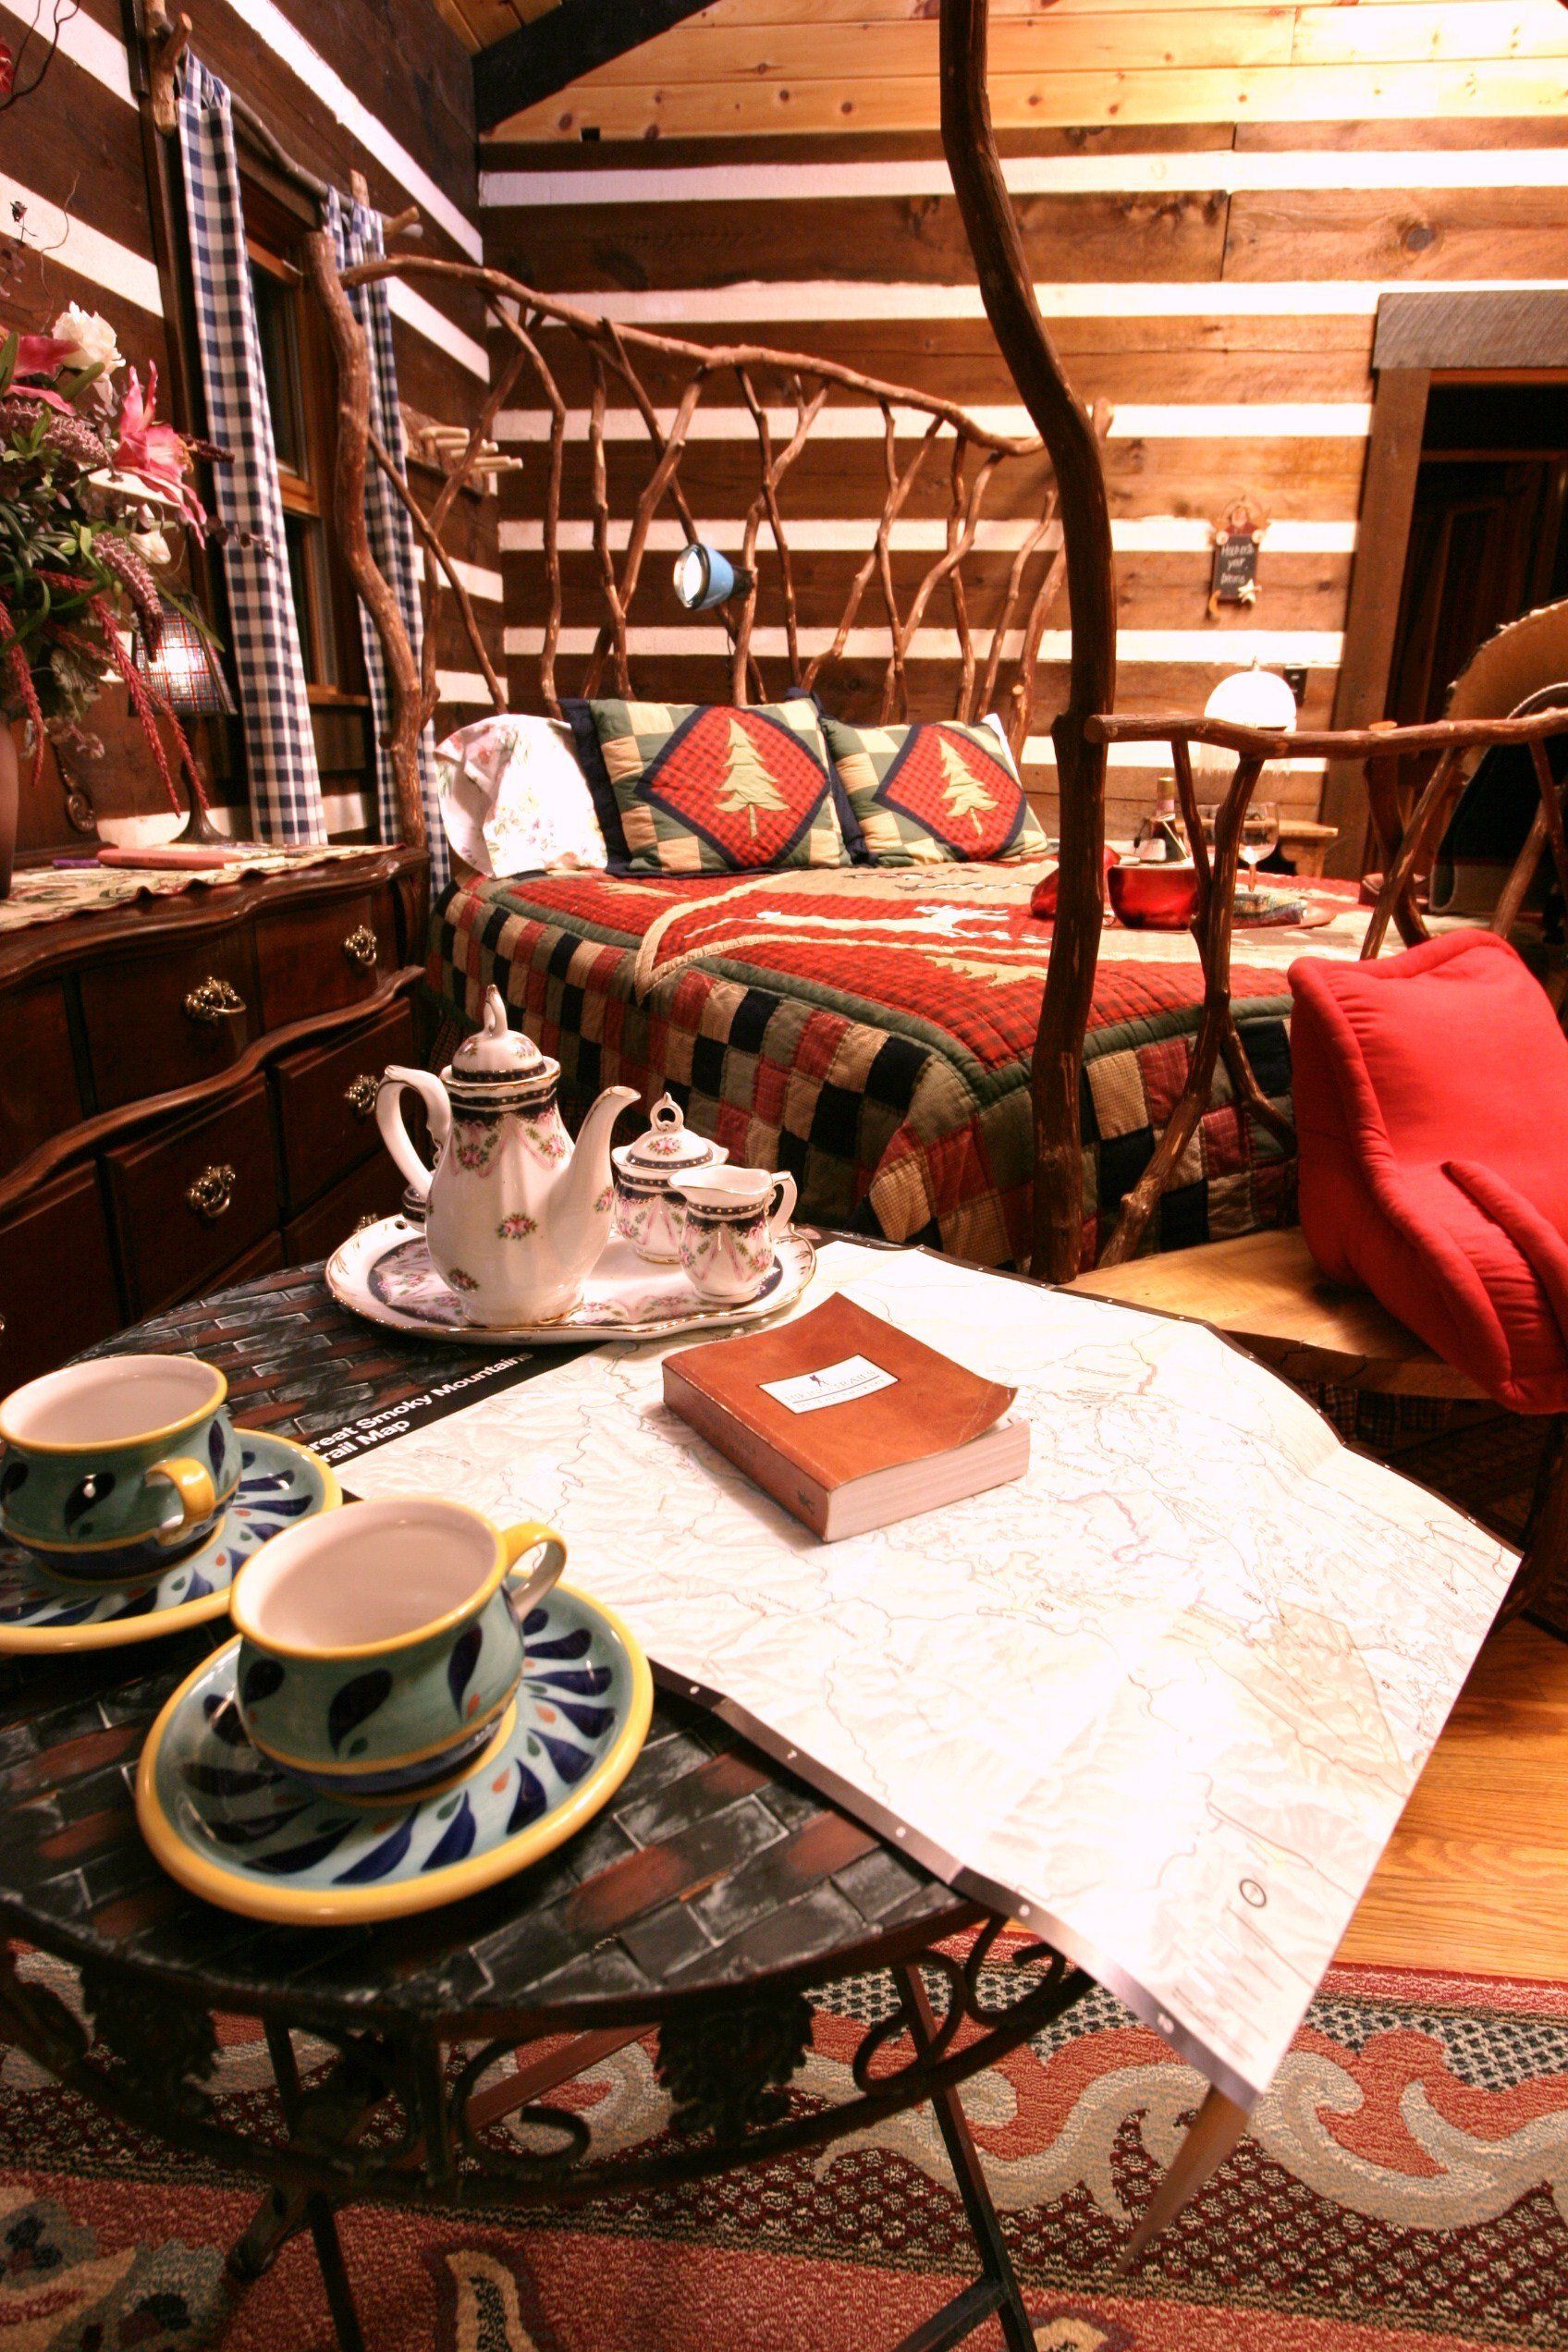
{"points": [[835, 1384]]}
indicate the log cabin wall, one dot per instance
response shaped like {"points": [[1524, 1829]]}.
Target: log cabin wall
{"points": [[382, 87], [1214, 198]]}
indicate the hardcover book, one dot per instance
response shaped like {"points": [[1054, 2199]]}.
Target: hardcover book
{"points": [[847, 1421]]}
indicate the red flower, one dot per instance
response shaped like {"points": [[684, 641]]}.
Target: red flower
{"points": [[8, 71]]}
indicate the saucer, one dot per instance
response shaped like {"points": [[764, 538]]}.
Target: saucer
{"points": [[386, 1275], [280, 1482], [235, 1830]]}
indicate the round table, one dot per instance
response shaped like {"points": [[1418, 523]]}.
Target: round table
{"points": [[705, 1903]]}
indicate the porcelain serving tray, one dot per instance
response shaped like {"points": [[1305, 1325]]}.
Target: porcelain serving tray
{"points": [[384, 1274]]}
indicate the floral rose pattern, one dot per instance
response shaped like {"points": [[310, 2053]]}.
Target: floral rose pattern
{"points": [[474, 1142], [517, 1228], [544, 1134]]}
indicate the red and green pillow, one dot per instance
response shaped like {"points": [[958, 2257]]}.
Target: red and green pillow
{"points": [[934, 792], [707, 788]]}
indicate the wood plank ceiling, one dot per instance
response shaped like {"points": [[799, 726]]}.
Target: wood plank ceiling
{"points": [[526, 50]]}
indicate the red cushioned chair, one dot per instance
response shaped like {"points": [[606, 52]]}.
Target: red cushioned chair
{"points": [[1431, 1105], [1431, 1101]]}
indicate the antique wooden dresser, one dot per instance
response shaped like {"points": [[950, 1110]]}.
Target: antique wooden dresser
{"points": [[188, 1090]]}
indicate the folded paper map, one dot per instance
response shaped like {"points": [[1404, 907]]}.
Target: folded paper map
{"points": [[1163, 1697]]}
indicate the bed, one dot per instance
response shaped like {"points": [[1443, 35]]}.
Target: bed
{"points": [[903, 1039], [871, 1029]]}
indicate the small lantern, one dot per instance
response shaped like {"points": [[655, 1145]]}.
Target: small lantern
{"points": [[184, 674]]}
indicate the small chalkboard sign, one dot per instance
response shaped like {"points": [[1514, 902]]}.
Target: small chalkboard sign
{"points": [[1237, 537]]}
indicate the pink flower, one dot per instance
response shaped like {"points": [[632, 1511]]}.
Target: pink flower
{"points": [[156, 452], [42, 354], [7, 70], [41, 393]]}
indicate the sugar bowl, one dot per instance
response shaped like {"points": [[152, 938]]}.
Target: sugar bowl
{"points": [[646, 1213]]}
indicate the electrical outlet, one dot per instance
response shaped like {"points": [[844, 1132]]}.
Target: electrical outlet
{"points": [[1295, 678]]}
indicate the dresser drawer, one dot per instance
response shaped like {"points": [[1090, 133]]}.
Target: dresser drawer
{"points": [[168, 1018], [313, 959], [190, 1200], [374, 1190], [327, 1103], [57, 1288], [39, 1095]]}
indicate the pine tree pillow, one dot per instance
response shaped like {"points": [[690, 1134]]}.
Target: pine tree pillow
{"points": [[934, 792], [706, 789]]}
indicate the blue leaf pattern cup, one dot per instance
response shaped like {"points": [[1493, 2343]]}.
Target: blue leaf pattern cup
{"points": [[378, 1656], [111, 1469]]}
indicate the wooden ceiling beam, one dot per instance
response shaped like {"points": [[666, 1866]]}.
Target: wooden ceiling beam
{"points": [[558, 47]]}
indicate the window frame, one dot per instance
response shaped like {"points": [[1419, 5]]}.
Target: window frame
{"points": [[331, 646]]}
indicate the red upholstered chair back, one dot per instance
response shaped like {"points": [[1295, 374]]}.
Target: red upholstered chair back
{"points": [[1431, 1101]]}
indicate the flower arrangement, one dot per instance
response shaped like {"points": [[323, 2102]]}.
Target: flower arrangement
{"points": [[91, 486]]}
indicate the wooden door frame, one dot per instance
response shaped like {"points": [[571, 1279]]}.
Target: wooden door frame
{"points": [[1418, 335]]}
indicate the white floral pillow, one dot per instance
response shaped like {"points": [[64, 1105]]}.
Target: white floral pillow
{"points": [[514, 799]]}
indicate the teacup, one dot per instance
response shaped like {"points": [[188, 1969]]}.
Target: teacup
{"points": [[379, 1654], [112, 1469], [729, 1221]]}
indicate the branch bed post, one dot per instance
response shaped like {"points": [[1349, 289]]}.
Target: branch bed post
{"points": [[1064, 427], [350, 352]]}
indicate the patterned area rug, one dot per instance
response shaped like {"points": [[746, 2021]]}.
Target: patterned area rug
{"points": [[1405, 2186]]}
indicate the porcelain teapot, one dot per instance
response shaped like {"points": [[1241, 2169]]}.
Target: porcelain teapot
{"points": [[516, 1217]]}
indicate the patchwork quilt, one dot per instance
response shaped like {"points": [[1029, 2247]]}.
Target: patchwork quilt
{"points": [[870, 1030]]}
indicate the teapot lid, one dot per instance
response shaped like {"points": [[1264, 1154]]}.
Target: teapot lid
{"points": [[496, 1051], [669, 1143]]}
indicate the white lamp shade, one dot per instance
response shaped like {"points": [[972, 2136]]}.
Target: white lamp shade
{"points": [[1254, 698]]}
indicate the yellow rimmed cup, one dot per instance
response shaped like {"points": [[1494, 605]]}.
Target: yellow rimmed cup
{"points": [[114, 1468], [381, 1649]]}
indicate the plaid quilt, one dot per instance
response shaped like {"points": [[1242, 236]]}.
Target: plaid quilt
{"points": [[871, 1032]]}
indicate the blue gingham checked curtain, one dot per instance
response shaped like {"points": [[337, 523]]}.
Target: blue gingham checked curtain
{"points": [[280, 746], [356, 236]]}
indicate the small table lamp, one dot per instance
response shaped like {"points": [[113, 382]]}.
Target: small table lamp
{"points": [[185, 679]]}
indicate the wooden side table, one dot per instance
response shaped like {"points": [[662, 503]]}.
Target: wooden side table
{"points": [[704, 1906]]}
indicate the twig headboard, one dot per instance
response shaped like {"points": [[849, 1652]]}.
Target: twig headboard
{"points": [[980, 503]]}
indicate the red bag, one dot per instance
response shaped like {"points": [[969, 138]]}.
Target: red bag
{"points": [[1042, 899]]}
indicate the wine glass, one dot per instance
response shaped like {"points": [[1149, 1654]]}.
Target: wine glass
{"points": [[1260, 833]]}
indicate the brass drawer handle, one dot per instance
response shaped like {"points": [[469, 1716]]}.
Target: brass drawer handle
{"points": [[213, 1000], [359, 947], [211, 1194], [360, 1094]]}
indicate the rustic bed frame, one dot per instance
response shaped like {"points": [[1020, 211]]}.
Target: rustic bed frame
{"points": [[1077, 556]]}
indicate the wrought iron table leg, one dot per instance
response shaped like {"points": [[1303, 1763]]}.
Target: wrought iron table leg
{"points": [[270, 2231], [997, 2289]]}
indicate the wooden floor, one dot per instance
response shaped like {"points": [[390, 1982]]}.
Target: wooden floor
{"points": [[1476, 1876]]}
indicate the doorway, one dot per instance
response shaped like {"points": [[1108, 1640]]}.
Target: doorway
{"points": [[1489, 529]]}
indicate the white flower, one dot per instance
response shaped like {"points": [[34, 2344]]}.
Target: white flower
{"points": [[151, 545], [91, 335]]}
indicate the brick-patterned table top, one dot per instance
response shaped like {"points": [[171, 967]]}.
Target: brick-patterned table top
{"points": [[711, 1869]]}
